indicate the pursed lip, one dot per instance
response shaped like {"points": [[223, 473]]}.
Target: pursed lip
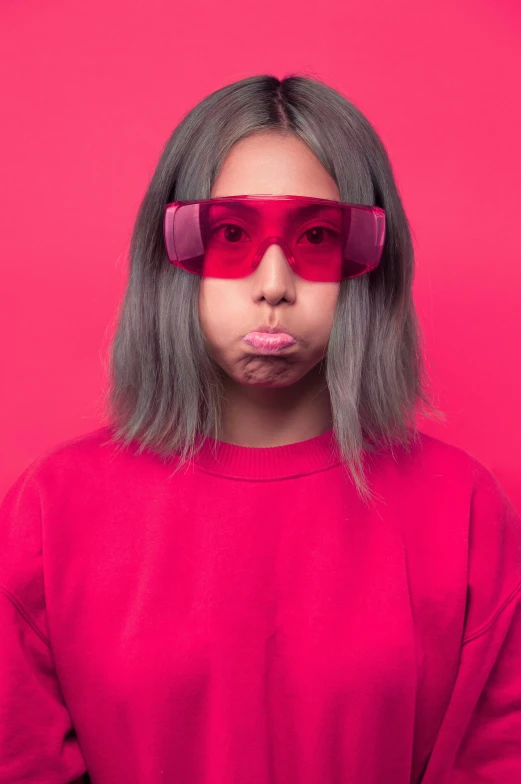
{"points": [[270, 340]]}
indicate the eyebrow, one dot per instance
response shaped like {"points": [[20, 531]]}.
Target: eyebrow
{"points": [[303, 209], [237, 204], [310, 208]]}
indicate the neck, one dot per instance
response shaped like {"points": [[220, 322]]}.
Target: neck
{"points": [[275, 416]]}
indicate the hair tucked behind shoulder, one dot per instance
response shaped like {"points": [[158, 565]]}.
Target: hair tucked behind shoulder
{"points": [[164, 388]]}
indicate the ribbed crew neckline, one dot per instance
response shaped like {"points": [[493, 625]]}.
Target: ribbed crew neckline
{"points": [[272, 462]]}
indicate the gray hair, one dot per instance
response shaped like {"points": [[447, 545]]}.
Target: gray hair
{"points": [[164, 388]]}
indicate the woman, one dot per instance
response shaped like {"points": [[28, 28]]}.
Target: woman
{"points": [[261, 570]]}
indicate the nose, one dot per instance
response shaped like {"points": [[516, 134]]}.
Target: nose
{"points": [[274, 279]]}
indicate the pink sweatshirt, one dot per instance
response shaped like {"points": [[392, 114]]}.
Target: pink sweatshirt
{"points": [[248, 621]]}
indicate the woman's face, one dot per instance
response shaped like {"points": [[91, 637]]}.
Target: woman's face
{"points": [[273, 295]]}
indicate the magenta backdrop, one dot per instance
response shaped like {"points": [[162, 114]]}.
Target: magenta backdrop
{"points": [[92, 91]]}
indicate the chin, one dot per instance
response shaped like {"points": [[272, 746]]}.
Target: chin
{"points": [[269, 375]]}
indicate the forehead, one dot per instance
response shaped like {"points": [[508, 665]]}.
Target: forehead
{"points": [[273, 163]]}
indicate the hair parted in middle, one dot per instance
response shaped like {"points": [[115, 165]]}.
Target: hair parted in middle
{"points": [[165, 389]]}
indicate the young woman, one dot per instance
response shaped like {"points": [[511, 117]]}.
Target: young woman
{"points": [[261, 571]]}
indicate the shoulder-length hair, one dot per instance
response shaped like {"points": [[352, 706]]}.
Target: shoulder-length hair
{"points": [[164, 389]]}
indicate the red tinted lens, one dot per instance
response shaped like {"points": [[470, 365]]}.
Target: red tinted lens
{"points": [[237, 235], [227, 237]]}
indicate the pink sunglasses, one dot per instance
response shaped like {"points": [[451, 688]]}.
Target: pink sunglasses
{"points": [[226, 237]]}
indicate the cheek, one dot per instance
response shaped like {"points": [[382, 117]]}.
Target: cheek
{"points": [[318, 309], [218, 310]]}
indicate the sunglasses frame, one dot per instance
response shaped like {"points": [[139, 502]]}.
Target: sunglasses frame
{"points": [[378, 213]]}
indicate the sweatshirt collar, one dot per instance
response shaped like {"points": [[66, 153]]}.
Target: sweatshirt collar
{"points": [[264, 463]]}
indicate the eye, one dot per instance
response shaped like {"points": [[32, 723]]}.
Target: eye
{"points": [[319, 235], [230, 232]]}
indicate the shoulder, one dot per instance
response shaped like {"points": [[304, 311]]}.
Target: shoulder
{"points": [[462, 474], [23, 511], [80, 487], [95, 446], [84, 463], [470, 499], [432, 470], [433, 453], [450, 478], [67, 492], [71, 451], [21, 505], [63, 477]]}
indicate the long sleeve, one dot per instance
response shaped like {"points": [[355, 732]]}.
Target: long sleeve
{"points": [[480, 737], [37, 740]]}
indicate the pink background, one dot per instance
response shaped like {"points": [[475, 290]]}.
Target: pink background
{"points": [[90, 94]]}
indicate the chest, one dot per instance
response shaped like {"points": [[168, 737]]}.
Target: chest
{"points": [[260, 596], [287, 584]]}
